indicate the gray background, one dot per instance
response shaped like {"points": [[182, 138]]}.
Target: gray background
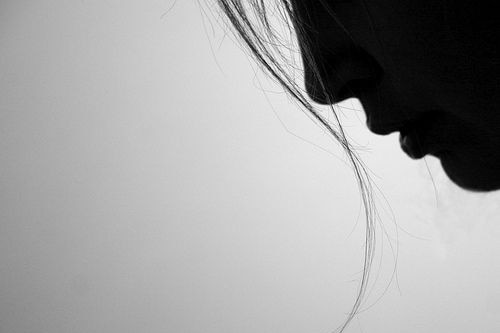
{"points": [[148, 185]]}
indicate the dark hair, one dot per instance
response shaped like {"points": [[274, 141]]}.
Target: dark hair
{"points": [[251, 22]]}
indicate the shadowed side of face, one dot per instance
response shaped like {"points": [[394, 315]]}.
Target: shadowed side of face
{"points": [[428, 69]]}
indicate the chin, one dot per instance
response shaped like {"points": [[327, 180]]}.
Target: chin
{"points": [[472, 173]]}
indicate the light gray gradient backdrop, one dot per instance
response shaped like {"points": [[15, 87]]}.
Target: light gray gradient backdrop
{"points": [[145, 189]]}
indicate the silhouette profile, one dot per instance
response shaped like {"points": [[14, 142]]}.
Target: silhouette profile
{"points": [[426, 69]]}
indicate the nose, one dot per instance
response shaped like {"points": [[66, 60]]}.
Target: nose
{"points": [[339, 64], [339, 72], [344, 70], [336, 66]]}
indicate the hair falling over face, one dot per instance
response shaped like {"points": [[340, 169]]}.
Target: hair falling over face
{"points": [[253, 25], [427, 69]]}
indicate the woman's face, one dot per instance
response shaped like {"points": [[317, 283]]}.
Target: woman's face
{"points": [[428, 69]]}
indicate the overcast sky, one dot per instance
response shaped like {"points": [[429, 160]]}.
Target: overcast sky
{"points": [[149, 185]]}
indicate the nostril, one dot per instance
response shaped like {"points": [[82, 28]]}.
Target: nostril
{"points": [[342, 75], [356, 87], [354, 77]]}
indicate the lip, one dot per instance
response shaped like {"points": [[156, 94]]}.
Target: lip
{"points": [[416, 146], [412, 145], [425, 135]]}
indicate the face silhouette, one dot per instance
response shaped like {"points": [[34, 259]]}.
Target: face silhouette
{"points": [[428, 69]]}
